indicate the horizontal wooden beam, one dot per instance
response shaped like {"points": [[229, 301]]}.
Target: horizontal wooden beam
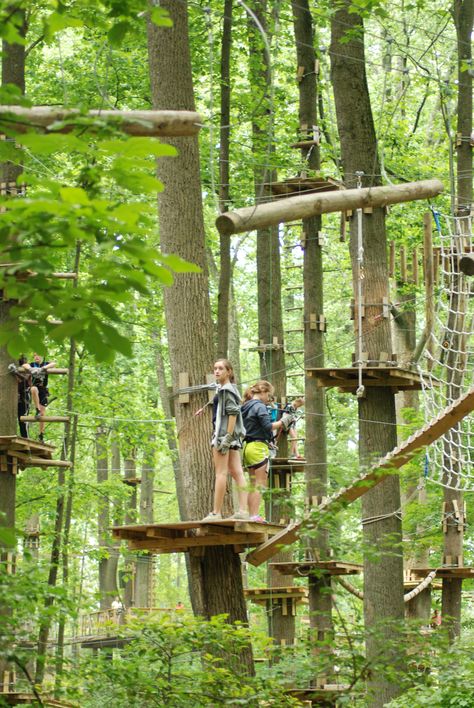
{"points": [[25, 461], [138, 123], [302, 207], [446, 420]]}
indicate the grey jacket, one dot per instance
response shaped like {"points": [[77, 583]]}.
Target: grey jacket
{"points": [[228, 403]]}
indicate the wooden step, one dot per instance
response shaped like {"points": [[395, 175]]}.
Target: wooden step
{"points": [[45, 419]]}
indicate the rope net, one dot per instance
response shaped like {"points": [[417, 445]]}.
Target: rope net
{"points": [[447, 365]]}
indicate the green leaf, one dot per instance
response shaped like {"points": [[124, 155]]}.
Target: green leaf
{"points": [[178, 264], [67, 329], [137, 182], [57, 21], [52, 142], [115, 340], [138, 147], [74, 195], [118, 32], [159, 16], [7, 537]]}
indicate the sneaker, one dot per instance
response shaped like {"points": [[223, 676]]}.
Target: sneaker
{"points": [[213, 517], [241, 515], [296, 457], [259, 519], [41, 437]]}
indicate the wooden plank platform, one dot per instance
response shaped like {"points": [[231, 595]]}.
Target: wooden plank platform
{"points": [[347, 379], [22, 698], [304, 185], [286, 463], [18, 453], [329, 567], [462, 572], [327, 694], [262, 595], [183, 536], [433, 430]]}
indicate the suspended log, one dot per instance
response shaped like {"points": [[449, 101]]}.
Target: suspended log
{"points": [[308, 205], [138, 123], [466, 264]]}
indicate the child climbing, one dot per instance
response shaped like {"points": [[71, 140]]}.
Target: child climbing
{"points": [[39, 389], [226, 441], [259, 430]]}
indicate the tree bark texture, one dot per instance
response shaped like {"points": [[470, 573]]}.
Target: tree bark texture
{"points": [[320, 602], [130, 472], [107, 563], [223, 297], [270, 320], [144, 561], [463, 14], [215, 578], [383, 562]]}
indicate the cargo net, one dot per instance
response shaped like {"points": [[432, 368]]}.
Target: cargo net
{"points": [[447, 364]]}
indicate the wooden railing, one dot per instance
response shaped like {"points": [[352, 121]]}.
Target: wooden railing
{"points": [[104, 622]]}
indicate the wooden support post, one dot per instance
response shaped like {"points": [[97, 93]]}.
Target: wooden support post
{"points": [[391, 271], [403, 264], [414, 266], [138, 123], [183, 382], [308, 205], [428, 274]]}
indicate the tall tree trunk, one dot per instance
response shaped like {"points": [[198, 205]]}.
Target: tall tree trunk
{"points": [[224, 187], [130, 473], [13, 72], [463, 15], [63, 509], [215, 577], [383, 577], [320, 596], [107, 566], [144, 562]]}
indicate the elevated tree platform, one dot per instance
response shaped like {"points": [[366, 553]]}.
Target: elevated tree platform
{"points": [[262, 595], [462, 572], [132, 481], [99, 630], [145, 123], [304, 185], [446, 420], [347, 379], [287, 464], [329, 567], [326, 695], [24, 698], [194, 535], [17, 453]]}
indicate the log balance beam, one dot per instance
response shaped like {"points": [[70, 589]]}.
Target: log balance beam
{"points": [[138, 123], [307, 205], [395, 459]]}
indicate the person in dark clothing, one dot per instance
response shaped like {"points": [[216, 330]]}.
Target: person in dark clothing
{"points": [[24, 394], [39, 387], [259, 429]]}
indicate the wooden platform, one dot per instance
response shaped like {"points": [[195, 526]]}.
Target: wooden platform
{"points": [[304, 185], [462, 572], [16, 453], [195, 535], [263, 595], [325, 695], [347, 379], [329, 567], [287, 464], [22, 698]]}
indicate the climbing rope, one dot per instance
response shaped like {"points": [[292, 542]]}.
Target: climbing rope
{"points": [[360, 277]]}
